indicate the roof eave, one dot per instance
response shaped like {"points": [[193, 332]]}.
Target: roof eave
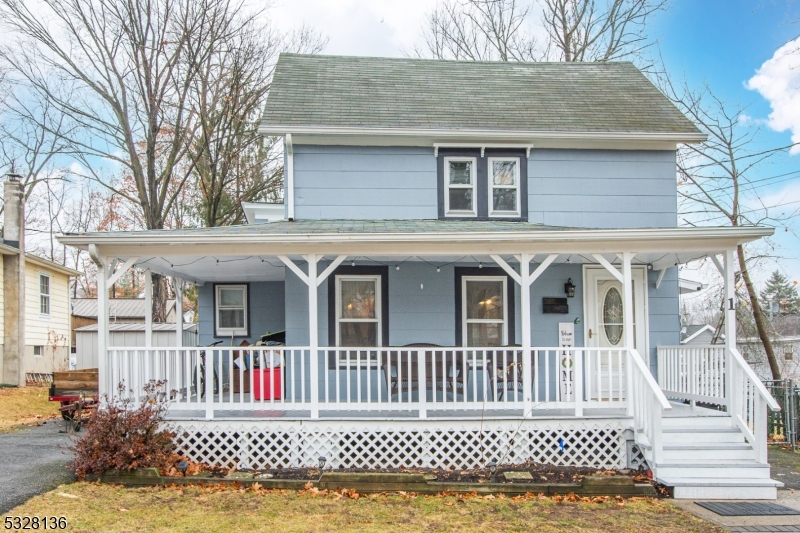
{"points": [[482, 135], [201, 238]]}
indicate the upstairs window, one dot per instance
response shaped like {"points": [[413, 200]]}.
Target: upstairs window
{"points": [[460, 197], [482, 184], [44, 294], [231, 310], [504, 187]]}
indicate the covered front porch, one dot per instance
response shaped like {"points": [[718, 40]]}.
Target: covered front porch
{"points": [[517, 340]]}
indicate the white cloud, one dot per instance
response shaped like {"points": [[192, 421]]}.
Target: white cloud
{"points": [[778, 80], [358, 27]]}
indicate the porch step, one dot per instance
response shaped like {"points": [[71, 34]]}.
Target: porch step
{"points": [[707, 452], [706, 457], [723, 489], [678, 435], [697, 422], [719, 470]]}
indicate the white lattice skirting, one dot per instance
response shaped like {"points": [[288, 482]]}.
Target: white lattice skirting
{"points": [[402, 444]]}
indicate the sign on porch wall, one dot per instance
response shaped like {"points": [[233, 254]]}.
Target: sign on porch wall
{"points": [[566, 339]]}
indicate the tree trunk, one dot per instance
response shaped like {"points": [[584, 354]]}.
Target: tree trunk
{"points": [[758, 316], [159, 297]]}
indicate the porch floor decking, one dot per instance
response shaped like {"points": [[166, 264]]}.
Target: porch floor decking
{"points": [[678, 410]]}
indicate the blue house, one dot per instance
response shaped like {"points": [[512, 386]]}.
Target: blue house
{"points": [[474, 262]]}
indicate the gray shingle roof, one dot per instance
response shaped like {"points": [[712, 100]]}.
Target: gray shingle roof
{"points": [[370, 92]]}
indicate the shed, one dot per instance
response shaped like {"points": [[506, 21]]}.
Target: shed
{"points": [[126, 335]]}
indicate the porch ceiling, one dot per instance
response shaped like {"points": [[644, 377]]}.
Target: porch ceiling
{"points": [[225, 269]]}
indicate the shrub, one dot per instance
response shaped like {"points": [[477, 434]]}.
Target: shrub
{"points": [[123, 435]]}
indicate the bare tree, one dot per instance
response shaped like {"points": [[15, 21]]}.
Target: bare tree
{"points": [[479, 30], [124, 71], [26, 148], [721, 184], [232, 162], [576, 30], [598, 30]]}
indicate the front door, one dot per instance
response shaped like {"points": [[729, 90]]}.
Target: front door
{"points": [[605, 370]]}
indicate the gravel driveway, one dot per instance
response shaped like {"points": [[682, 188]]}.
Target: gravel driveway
{"points": [[32, 460]]}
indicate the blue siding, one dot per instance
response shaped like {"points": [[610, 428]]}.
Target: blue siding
{"points": [[602, 188], [583, 188], [297, 308], [364, 182], [424, 314], [266, 311], [663, 313]]}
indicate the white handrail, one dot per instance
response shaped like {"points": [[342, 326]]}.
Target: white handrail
{"points": [[752, 377], [649, 379]]}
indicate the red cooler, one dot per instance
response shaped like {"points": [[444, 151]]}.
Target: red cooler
{"points": [[271, 378]]}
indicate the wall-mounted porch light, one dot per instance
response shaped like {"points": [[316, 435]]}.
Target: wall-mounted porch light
{"points": [[569, 288]]}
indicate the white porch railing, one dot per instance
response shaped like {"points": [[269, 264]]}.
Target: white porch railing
{"points": [[647, 407], [721, 376], [374, 379], [695, 373], [748, 403]]}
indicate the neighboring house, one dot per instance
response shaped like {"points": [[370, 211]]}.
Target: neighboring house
{"points": [[787, 353], [120, 311], [697, 335], [476, 262], [36, 340]]}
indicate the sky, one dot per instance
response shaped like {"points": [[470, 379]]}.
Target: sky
{"points": [[738, 48]]}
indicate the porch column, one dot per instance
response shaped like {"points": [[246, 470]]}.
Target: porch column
{"points": [[525, 321], [627, 326], [313, 334], [148, 309], [525, 279], [178, 312], [102, 320], [731, 393]]}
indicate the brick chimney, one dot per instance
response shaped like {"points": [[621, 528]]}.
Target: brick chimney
{"points": [[12, 371]]}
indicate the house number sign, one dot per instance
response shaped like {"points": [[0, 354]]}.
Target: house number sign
{"points": [[566, 365]]}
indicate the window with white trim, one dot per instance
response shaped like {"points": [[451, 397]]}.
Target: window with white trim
{"points": [[44, 294], [358, 311], [484, 311], [460, 187], [230, 304], [504, 187]]}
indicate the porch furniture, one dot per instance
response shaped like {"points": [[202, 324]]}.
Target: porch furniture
{"points": [[505, 373], [401, 370]]}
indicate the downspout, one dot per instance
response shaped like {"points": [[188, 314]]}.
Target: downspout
{"points": [[289, 192]]}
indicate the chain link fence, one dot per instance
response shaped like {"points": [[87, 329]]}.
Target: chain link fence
{"points": [[783, 424]]}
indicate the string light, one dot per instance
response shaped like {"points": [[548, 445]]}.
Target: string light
{"points": [[397, 267], [480, 265], [353, 263], [438, 269]]}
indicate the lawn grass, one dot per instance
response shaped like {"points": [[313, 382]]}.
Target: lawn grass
{"points": [[101, 507], [25, 405]]}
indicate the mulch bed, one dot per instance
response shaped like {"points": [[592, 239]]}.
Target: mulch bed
{"points": [[540, 473]]}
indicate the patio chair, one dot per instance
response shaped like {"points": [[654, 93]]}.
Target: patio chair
{"points": [[402, 379], [506, 372]]}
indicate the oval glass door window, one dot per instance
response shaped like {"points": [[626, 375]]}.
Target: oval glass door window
{"points": [[612, 316]]}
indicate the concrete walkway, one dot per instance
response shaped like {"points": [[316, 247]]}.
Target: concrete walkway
{"points": [[32, 460]]}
